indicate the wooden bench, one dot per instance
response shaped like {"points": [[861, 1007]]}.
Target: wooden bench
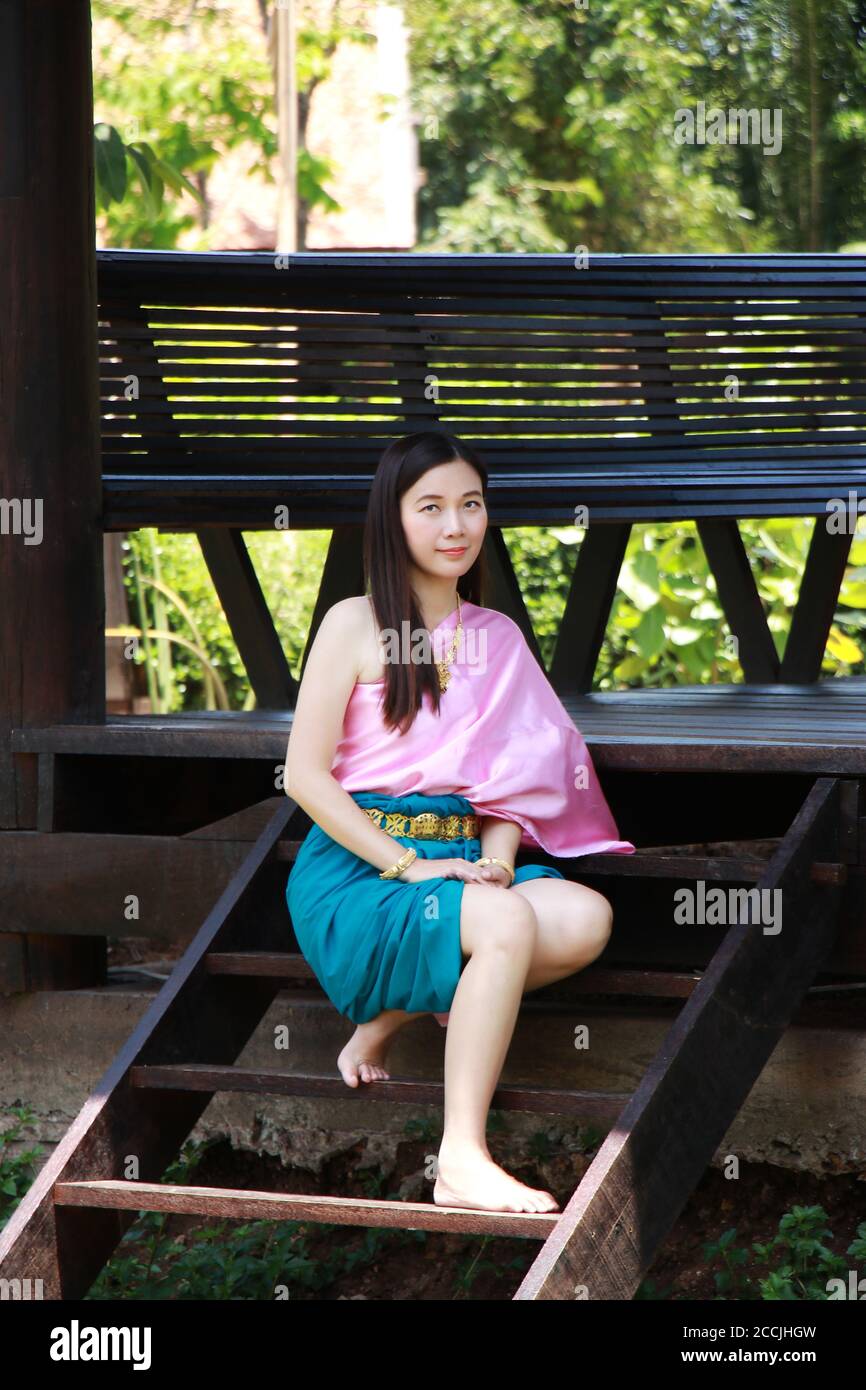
{"points": [[813, 729], [638, 387]]}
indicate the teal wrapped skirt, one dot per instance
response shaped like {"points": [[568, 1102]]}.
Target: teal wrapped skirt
{"points": [[377, 944]]}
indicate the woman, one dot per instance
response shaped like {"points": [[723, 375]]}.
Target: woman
{"points": [[427, 746]]}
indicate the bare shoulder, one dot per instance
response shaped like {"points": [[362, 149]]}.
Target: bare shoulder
{"points": [[330, 673], [353, 615], [348, 613], [348, 630], [366, 638]]}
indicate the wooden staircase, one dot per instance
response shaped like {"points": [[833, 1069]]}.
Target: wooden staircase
{"points": [[661, 1138]]}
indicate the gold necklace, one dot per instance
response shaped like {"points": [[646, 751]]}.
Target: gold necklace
{"points": [[442, 666]]}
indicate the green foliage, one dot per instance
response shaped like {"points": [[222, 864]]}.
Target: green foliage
{"points": [[289, 566], [806, 1262], [110, 163], [498, 1268], [666, 628], [550, 126], [16, 1172], [207, 93], [169, 121]]}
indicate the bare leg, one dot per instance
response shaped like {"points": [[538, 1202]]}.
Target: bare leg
{"points": [[574, 926], [498, 934]]}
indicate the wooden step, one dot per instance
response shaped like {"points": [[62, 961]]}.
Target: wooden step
{"points": [[230, 1204], [653, 1158], [595, 981], [272, 965], [659, 1143], [199, 1076], [649, 864], [42, 1240], [291, 966], [744, 867]]}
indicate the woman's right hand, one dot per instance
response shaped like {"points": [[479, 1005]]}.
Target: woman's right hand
{"points": [[420, 869]]}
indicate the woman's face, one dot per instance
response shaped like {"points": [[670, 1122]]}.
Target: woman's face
{"points": [[444, 510]]}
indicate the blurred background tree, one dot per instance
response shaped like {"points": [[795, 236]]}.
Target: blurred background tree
{"points": [[548, 125]]}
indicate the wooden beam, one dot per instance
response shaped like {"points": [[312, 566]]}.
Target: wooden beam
{"points": [[739, 597], [197, 1076], [52, 611], [633, 1191], [190, 1018], [28, 770], [246, 824], [52, 641], [587, 608], [120, 671], [342, 577], [248, 616], [723, 546], [46, 806], [234, 1204], [53, 885], [816, 604], [504, 590], [13, 963]]}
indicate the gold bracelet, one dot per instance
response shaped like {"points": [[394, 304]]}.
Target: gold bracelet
{"points": [[492, 859], [402, 863]]}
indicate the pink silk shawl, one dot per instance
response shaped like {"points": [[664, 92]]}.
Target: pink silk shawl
{"points": [[502, 739]]}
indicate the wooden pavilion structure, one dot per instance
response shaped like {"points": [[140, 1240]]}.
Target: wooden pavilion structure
{"points": [[601, 386]]}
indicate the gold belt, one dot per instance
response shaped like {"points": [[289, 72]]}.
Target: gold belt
{"points": [[426, 826]]}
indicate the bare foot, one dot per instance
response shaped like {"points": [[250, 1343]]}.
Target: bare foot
{"points": [[363, 1057], [470, 1178]]}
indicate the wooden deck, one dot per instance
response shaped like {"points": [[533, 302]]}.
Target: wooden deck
{"points": [[819, 728]]}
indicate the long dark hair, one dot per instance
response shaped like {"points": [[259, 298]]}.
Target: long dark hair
{"points": [[386, 563]]}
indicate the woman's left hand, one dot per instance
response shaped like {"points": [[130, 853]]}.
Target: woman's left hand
{"points": [[495, 875]]}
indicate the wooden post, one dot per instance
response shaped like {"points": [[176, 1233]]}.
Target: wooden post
{"points": [[52, 645]]}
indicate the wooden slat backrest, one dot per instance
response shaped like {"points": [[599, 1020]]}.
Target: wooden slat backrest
{"points": [[657, 385]]}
